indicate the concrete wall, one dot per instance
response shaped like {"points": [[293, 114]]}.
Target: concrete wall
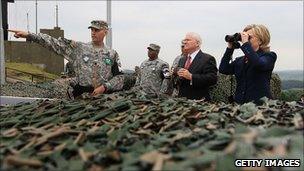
{"points": [[56, 32], [29, 52]]}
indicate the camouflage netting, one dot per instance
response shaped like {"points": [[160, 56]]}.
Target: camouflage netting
{"points": [[128, 131], [57, 89]]}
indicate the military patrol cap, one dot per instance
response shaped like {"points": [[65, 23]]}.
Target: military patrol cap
{"points": [[154, 47], [99, 24]]}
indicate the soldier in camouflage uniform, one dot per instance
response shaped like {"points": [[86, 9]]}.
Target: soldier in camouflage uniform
{"points": [[154, 74], [174, 69], [96, 65]]}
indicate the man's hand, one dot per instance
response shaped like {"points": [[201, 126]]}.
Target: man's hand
{"points": [[99, 90], [19, 33], [184, 73]]}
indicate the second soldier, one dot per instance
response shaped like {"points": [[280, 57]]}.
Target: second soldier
{"points": [[154, 74]]}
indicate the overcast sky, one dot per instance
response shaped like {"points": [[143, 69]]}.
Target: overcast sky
{"points": [[135, 24]]}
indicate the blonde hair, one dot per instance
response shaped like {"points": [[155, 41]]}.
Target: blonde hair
{"points": [[262, 33]]}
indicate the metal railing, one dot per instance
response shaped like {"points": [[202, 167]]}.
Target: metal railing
{"points": [[40, 77]]}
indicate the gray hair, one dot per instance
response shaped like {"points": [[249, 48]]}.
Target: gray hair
{"points": [[197, 37]]}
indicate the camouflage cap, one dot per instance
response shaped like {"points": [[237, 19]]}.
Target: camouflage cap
{"points": [[99, 24], [154, 47]]}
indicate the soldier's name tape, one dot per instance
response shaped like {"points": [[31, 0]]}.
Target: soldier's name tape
{"points": [[267, 163]]}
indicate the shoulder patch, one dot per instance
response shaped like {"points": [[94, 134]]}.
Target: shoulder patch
{"points": [[108, 61]]}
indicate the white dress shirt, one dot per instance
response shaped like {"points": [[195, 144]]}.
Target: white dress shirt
{"points": [[192, 55]]}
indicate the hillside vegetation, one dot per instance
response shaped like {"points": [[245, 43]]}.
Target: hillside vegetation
{"points": [[289, 84], [293, 94], [291, 75], [25, 71]]}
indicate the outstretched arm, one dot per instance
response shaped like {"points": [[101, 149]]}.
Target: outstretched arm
{"points": [[60, 46], [19, 33]]}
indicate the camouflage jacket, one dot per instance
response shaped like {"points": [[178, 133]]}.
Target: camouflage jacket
{"points": [[176, 61], [93, 66], [154, 75], [174, 78]]}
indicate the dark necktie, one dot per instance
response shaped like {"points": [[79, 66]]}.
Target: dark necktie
{"points": [[246, 59], [188, 62]]}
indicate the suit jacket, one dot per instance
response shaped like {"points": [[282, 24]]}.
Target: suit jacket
{"points": [[204, 74], [253, 77]]}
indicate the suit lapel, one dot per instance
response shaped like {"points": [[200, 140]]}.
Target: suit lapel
{"points": [[196, 62]]}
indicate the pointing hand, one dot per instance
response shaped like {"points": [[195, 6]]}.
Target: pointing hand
{"points": [[19, 33]]}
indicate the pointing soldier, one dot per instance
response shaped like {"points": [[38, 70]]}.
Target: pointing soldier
{"points": [[95, 64], [154, 74]]}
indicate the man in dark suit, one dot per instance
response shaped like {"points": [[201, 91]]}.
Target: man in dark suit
{"points": [[197, 70]]}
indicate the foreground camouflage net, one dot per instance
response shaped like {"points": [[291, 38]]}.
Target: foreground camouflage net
{"points": [[128, 131], [58, 88], [55, 89]]}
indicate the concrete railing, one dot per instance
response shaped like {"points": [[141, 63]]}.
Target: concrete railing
{"points": [[31, 75]]}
